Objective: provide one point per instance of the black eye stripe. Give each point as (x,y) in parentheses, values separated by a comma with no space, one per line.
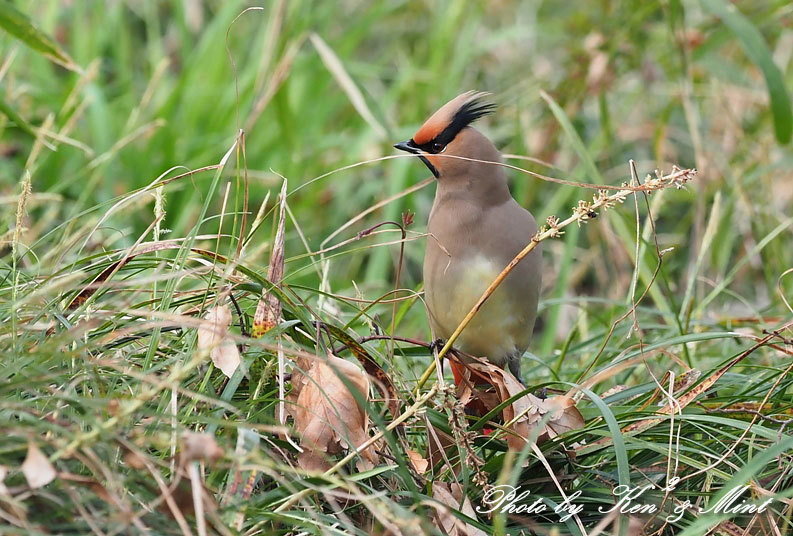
(430,146)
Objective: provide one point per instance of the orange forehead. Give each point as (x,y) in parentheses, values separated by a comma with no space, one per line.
(441,119)
(431,128)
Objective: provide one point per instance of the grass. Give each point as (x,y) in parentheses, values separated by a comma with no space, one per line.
(106,389)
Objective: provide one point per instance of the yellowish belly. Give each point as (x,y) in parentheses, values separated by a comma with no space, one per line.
(496,331)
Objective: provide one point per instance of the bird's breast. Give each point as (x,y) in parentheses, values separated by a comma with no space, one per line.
(468,246)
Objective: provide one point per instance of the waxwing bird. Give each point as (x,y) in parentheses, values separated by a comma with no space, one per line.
(475,229)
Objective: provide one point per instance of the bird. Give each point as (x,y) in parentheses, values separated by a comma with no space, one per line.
(475,229)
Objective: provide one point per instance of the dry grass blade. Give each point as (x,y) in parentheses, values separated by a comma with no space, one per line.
(441,447)
(336,68)
(279,75)
(24,195)
(138,249)
(268,310)
(3,473)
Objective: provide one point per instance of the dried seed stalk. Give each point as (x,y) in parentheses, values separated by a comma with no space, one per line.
(582,213)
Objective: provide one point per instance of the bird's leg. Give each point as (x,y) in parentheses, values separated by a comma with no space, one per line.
(514,367)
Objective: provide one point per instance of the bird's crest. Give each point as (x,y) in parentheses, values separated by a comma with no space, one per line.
(452,117)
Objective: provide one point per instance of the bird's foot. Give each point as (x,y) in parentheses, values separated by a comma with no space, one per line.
(542,394)
(436,345)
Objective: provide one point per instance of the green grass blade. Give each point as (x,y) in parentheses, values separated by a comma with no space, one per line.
(12,114)
(620,452)
(707,241)
(725,282)
(741,477)
(19,25)
(755,47)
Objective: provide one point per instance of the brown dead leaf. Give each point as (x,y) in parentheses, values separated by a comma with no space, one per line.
(37,468)
(564,415)
(381,380)
(268,310)
(525,411)
(200,446)
(133,460)
(475,400)
(419,462)
(635,527)
(521,413)
(451,496)
(213,337)
(88,482)
(182,495)
(597,74)
(326,416)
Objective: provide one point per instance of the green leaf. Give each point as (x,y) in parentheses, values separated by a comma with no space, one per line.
(620,452)
(20,26)
(575,140)
(15,117)
(755,47)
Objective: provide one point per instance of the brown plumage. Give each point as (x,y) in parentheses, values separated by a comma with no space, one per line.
(476,228)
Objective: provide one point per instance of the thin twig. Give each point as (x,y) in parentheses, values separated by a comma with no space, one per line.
(368,338)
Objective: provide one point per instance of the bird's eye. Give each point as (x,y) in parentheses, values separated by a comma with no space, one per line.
(437,147)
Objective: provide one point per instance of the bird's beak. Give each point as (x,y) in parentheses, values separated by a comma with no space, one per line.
(407,146)
(410,147)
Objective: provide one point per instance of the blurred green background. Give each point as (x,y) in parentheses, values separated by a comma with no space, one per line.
(158,88)
(320,85)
